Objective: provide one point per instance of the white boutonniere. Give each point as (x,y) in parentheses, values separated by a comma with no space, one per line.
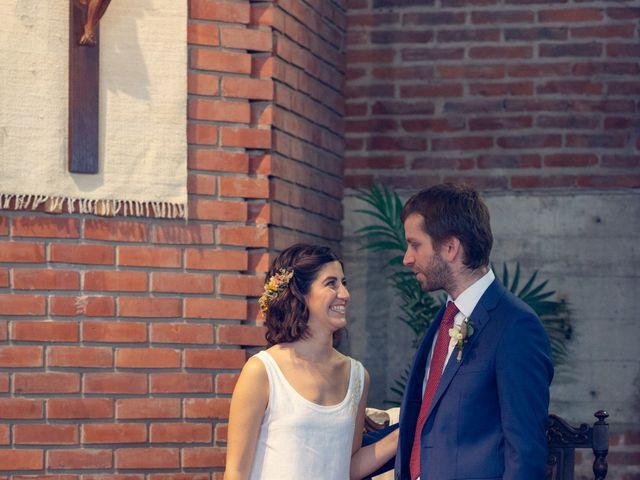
(460,335)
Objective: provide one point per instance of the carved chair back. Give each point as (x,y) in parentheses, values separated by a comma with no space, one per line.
(563,439)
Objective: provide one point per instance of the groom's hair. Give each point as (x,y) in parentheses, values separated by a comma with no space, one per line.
(454,210)
(287,317)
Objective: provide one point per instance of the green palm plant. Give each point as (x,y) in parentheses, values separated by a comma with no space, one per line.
(419,308)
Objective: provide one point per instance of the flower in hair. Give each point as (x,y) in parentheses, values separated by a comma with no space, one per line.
(274,287)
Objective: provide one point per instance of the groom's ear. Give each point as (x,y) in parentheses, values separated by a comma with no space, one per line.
(451,248)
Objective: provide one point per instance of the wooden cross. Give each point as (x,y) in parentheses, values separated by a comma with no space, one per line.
(84,83)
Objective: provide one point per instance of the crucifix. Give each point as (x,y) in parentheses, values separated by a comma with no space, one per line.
(84,85)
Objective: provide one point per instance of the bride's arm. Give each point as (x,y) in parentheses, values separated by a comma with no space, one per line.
(248,404)
(365,460)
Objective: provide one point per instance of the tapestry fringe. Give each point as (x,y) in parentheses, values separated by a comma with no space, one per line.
(106,208)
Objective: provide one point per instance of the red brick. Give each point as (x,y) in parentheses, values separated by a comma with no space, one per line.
(196,333)
(485,53)
(259,262)
(44,331)
(115,281)
(241,335)
(182,476)
(214,358)
(203,84)
(461,143)
(530,181)
(215,259)
(180,433)
(84,458)
(219,110)
(114,433)
(509,161)
(530,141)
(4,434)
(143,408)
(67,408)
(245,137)
(20,356)
(502,17)
(609,181)
(241,285)
(216,160)
(222,211)
(147,358)
(51,382)
(221,432)
(203,34)
(45,434)
(244,187)
(202,184)
(262,66)
(181,282)
(21,408)
(623,50)
(202,134)
(45,279)
(183,234)
(82,306)
(134,256)
(223,11)
(570,160)
(85,357)
(215,308)
(146,307)
(571,15)
(570,50)
(246,236)
(4,382)
(114,332)
(203,457)
(22,252)
(226,382)
(146,458)
(82,254)
(21,460)
(115,230)
(206,407)
(4,226)
(46,227)
(255,89)
(219,61)
(180,383)
(596,141)
(246,39)
(4,277)
(115,383)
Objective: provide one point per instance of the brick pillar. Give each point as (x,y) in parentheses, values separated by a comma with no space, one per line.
(121,338)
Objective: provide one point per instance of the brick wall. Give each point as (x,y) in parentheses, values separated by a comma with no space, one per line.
(121,338)
(516,97)
(506,94)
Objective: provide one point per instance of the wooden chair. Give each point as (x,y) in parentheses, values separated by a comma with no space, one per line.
(563,439)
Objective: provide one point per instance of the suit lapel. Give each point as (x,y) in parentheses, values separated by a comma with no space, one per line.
(479,318)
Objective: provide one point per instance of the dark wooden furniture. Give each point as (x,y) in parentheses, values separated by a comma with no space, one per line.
(563,439)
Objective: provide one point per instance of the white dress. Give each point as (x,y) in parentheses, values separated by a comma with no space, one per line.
(301,440)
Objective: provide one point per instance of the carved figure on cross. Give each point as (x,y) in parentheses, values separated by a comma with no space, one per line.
(94,10)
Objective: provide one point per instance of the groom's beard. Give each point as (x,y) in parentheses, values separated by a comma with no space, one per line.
(436,275)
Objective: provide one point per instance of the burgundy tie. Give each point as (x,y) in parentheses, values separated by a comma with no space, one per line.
(440,351)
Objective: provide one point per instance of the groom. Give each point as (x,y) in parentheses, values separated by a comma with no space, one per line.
(477,397)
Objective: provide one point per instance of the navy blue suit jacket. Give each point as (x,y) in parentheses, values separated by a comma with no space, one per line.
(487,420)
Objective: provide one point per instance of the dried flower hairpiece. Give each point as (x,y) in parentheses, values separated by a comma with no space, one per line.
(274,287)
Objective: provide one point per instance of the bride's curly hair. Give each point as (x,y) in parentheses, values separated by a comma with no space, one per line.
(287,315)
